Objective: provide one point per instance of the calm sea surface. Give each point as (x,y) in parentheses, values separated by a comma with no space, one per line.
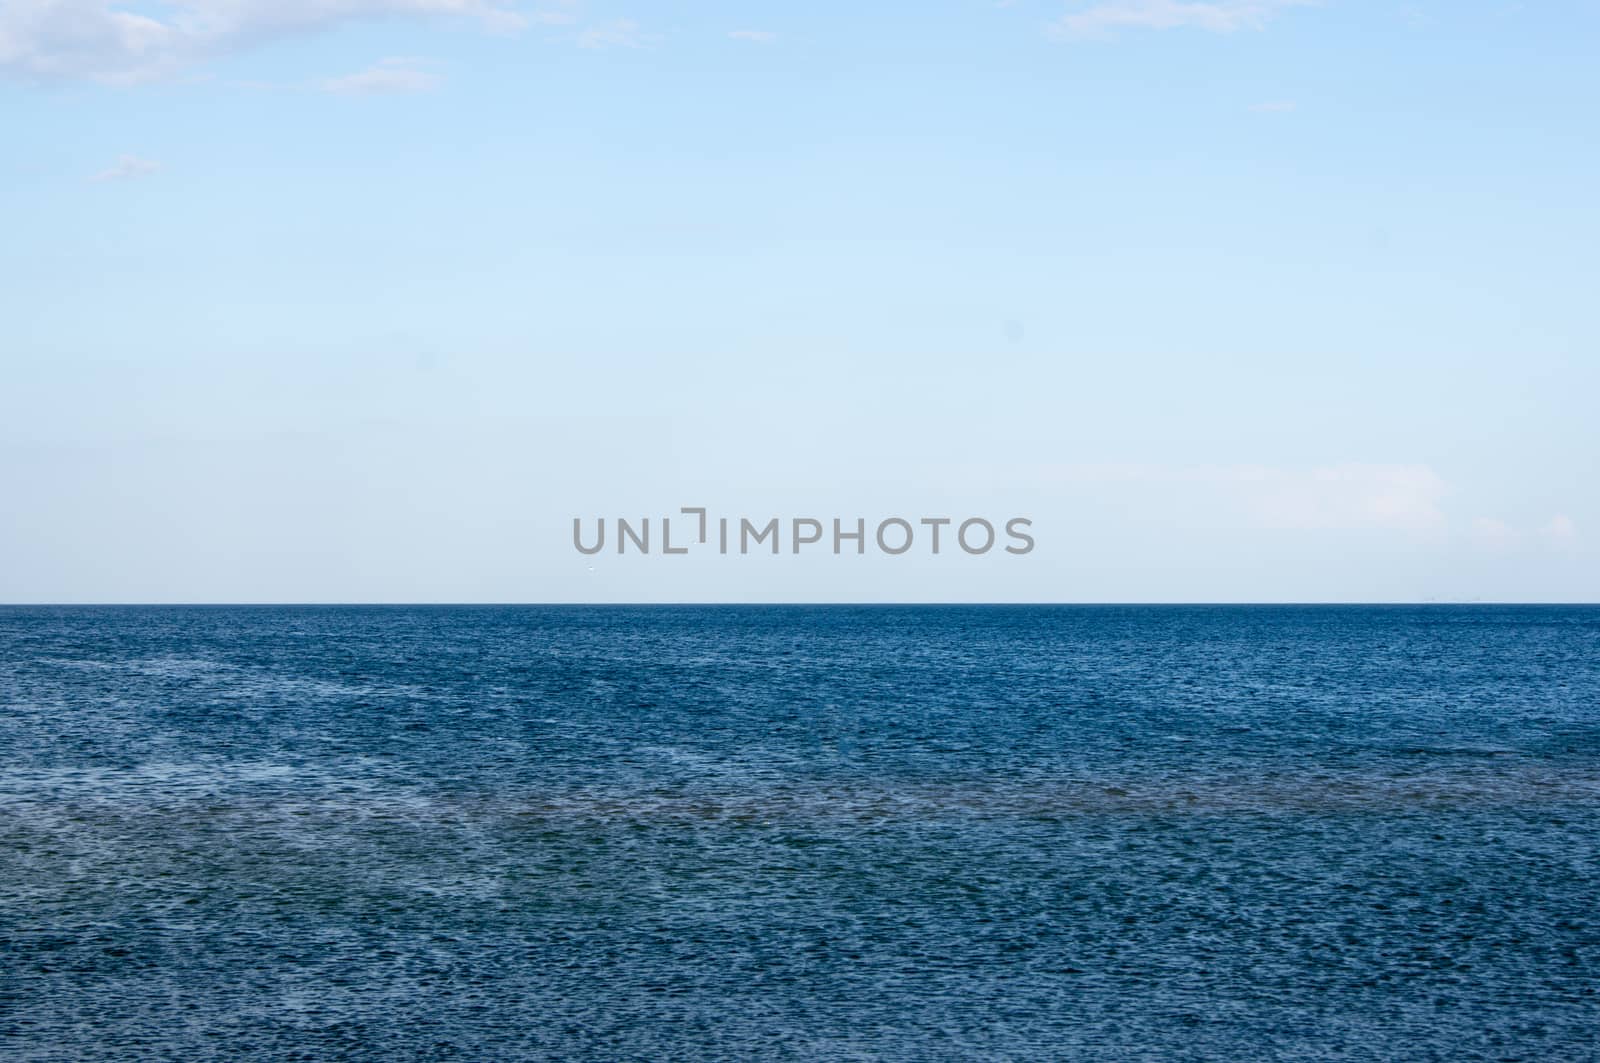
(800,833)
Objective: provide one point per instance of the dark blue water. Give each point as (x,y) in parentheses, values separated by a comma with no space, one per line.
(800,833)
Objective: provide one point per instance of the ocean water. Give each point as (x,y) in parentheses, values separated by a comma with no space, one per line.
(827,833)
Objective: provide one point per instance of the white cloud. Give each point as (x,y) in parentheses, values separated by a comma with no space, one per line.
(386,77)
(1349,496)
(618,33)
(754,36)
(127,168)
(107,41)
(555,13)
(1560,529)
(1492,532)
(1217,16)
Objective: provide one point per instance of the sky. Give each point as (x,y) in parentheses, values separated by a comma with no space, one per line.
(367,300)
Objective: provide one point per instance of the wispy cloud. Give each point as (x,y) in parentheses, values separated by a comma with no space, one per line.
(1349,496)
(388,76)
(127,168)
(618,33)
(1399,497)
(102,40)
(1492,533)
(1561,529)
(754,36)
(1217,16)
(555,13)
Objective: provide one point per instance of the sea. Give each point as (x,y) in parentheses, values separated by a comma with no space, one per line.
(800,833)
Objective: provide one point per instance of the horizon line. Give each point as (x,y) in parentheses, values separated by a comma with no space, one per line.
(1397,603)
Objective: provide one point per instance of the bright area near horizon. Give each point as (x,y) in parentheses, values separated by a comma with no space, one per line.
(365,301)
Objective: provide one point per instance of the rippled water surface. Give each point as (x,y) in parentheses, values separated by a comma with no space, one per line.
(800,833)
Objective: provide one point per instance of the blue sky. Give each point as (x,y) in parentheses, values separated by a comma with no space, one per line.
(350,300)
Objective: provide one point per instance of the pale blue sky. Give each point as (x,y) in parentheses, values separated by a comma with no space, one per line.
(349,300)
